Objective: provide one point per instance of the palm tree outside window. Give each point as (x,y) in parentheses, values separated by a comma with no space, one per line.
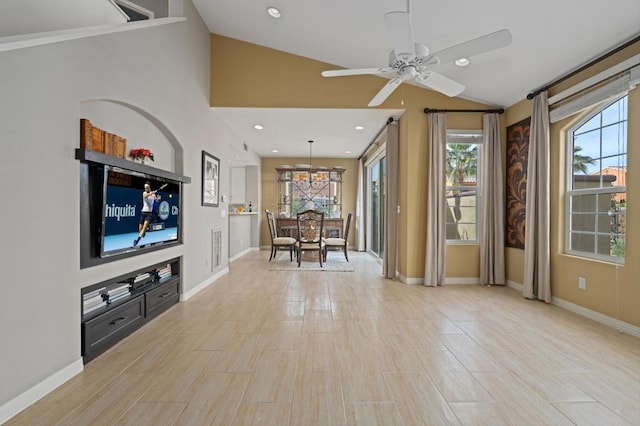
(462,157)
(596,184)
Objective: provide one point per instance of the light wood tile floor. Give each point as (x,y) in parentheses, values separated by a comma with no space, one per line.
(262,347)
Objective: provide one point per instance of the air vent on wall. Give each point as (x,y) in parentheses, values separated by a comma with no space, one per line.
(216,248)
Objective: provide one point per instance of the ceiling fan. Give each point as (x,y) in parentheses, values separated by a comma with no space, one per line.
(411,61)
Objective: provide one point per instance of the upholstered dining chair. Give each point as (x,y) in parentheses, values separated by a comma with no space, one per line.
(339,243)
(278,243)
(310,227)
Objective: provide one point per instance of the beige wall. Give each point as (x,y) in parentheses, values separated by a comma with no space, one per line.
(613,290)
(270,188)
(284,80)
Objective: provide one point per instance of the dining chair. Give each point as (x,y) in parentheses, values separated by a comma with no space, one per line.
(339,243)
(310,227)
(278,243)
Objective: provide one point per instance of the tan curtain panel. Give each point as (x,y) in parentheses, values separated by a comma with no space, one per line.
(360,208)
(537,275)
(435,260)
(391,228)
(492,267)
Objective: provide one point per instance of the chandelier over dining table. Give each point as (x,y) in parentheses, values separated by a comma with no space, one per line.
(308,186)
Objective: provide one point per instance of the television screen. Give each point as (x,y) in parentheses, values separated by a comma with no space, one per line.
(139,211)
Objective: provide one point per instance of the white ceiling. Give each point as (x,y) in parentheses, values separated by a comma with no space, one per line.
(289,130)
(550,39)
(19,17)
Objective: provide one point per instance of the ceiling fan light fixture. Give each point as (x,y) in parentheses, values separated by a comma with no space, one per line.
(274,12)
(412,61)
(407,73)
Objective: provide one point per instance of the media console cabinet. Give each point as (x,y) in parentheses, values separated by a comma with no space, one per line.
(140,296)
(112,309)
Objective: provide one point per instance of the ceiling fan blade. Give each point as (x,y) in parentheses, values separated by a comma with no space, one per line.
(385,91)
(473,47)
(358,71)
(401,33)
(440,83)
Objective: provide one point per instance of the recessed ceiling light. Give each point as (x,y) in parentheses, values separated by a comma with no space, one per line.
(273,12)
(462,62)
(274,150)
(347,152)
(258,126)
(359,127)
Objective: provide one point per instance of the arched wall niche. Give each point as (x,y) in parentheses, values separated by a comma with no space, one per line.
(141,129)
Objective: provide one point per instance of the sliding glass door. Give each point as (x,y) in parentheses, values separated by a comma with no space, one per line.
(376,197)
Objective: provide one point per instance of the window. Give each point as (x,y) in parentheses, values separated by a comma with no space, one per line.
(376,203)
(462,158)
(596,183)
(300,189)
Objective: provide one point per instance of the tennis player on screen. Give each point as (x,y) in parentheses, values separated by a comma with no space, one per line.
(148,199)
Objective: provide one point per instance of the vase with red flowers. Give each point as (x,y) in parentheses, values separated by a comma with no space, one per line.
(141,155)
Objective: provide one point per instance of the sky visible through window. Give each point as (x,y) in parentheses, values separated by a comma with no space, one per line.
(610,127)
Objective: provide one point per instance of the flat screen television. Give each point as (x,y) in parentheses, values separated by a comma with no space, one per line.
(122,217)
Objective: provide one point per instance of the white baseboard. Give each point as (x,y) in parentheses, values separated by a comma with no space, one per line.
(614,323)
(448,280)
(33,394)
(461,280)
(621,326)
(242,253)
(410,280)
(204,284)
(516,286)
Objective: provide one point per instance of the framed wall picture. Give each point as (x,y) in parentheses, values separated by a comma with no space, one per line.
(210,180)
(516,194)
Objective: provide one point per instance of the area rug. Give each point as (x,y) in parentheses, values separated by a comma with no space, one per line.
(333,264)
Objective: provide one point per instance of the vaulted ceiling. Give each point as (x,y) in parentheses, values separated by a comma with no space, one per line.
(550,39)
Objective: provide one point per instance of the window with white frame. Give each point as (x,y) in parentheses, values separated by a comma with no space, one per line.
(596,184)
(462,158)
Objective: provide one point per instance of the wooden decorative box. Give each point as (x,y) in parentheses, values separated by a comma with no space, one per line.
(96,139)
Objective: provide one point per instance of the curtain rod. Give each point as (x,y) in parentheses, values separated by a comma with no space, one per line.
(430,110)
(389,121)
(582,68)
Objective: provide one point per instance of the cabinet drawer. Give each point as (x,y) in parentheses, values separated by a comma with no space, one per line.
(161,297)
(106,329)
